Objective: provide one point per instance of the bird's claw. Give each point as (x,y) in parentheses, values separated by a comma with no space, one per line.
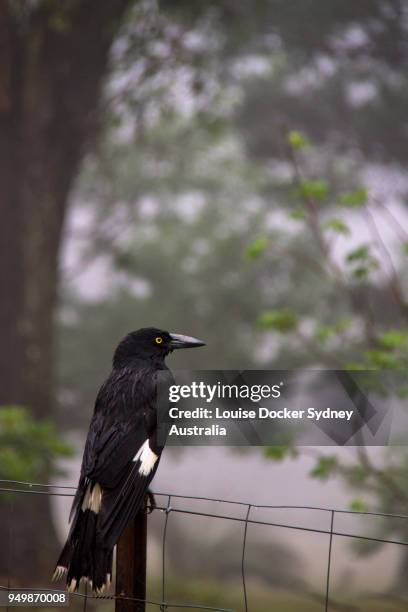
(151,505)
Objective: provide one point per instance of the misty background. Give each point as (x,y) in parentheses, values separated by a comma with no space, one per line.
(230,170)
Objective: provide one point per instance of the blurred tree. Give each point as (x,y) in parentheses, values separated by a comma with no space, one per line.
(174,243)
(54,57)
(335,71)
(364,326)
(27,445)
(340,78)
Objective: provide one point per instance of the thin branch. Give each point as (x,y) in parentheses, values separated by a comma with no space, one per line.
(381,476)
(327,358)
(398,228)
(313,221)
(394,281)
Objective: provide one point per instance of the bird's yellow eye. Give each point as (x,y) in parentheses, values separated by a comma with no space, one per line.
(159,340)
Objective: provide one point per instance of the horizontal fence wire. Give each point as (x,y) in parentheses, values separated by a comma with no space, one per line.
(22,487)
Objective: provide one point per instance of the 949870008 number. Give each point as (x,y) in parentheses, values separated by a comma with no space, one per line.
(21,597)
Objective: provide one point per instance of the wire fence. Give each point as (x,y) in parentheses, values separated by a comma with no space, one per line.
(249,518)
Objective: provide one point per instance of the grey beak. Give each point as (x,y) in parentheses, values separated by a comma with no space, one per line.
(179,341)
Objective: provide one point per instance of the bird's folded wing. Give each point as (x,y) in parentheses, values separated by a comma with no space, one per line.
(106,458)
(116,449)
(121,504)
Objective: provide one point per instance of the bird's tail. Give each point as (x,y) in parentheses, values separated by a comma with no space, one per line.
(84,558)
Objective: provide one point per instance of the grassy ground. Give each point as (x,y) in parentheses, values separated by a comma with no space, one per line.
(261,599)
(229,596)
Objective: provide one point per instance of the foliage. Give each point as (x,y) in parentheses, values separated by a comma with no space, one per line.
(313,189)
(325,467)
(354,199)
(297,140)
(282,321)
(378,344)
(279,453)
(263,597)
(27,446)
(256,248)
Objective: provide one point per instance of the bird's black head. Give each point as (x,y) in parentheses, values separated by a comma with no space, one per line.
(152,344)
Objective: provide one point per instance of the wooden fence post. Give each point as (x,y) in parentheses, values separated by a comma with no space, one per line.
(131,554)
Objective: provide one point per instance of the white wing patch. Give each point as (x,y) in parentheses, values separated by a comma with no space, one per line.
(147,459)
(92,499)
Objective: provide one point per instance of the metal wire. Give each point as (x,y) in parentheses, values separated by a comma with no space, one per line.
(329,563)
(283,526)
(12,486)
(10,542)
(199,498)
(166,520)
(243,559)
(85,598)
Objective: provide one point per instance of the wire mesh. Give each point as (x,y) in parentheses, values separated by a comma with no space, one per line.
(248,519)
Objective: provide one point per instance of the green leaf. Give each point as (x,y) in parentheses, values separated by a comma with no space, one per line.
(358,505)
(354,199)
(282,321)
(361,272)
(325,467)
(405,248)
(361,253)
(383,359)
(280,452)
(393,339)
(366,262)
(323,333)
(314,190)
(256,248)
(357,474)
(297,140)
(342,324)
(299,214)
(277,453)
(338,226)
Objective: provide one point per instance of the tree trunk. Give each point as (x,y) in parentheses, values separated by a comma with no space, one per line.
(53,58)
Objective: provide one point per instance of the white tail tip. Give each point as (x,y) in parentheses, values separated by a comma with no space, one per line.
(60,570)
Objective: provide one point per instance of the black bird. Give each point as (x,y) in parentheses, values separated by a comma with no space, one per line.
(121,456)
